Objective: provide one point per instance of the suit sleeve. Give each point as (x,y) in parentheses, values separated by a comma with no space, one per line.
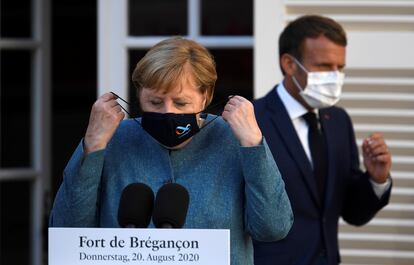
(76,202)
(361,203)
(268,214)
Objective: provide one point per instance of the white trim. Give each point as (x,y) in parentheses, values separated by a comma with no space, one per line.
(404,144)
(356,4)
(360,264)
(381,112)
(112,52)
(194,21)
(386,222)
(403,159)
(209,41)
(18,44)
(41,121)
(226,42)
(142,42)
(377,96)
(269,21)
(403,175)
(400,160)
(18,174)
(402,191)
(396,254)
(400,143)
(377,237)
(366,18)
(403,207)
(400,81)
(399,128)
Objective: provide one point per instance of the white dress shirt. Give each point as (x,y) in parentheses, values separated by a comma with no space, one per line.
(296,111)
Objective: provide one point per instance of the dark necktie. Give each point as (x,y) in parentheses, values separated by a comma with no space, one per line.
(317,146)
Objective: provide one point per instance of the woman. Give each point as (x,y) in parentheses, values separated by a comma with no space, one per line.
(223,162)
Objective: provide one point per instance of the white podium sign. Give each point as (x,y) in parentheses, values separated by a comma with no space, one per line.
(110,246)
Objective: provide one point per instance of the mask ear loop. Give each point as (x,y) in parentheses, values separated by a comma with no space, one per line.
(303,69)
(212,106)
(118,97)
(207,123)
(299,63)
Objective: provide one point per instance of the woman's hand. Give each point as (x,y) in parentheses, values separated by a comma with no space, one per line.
(105,117)
(239,113)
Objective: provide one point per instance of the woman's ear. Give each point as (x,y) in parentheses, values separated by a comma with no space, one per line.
(288,64)
(205,100)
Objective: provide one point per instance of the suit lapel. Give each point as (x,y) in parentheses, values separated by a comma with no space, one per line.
(284,127)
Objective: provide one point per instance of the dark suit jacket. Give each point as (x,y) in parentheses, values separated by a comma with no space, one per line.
(348,191)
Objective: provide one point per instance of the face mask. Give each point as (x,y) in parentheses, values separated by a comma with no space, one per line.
(323,89)
(170,129)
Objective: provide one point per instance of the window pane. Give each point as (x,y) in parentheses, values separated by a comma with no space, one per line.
(15,222)
(234,70)
(134,57)
(235,75)
(15,18)
(230,17)
(15,109)
(74,77)
(155,18)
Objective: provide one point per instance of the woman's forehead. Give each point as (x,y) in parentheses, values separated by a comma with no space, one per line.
(182,86)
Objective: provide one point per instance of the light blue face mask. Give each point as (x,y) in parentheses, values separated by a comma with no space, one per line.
(323,89)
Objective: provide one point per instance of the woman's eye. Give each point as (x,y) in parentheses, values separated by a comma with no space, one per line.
(155,103)
(180,104)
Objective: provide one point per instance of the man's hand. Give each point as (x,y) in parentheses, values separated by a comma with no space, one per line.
(377,158)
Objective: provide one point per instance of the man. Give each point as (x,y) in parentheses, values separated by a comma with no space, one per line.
(314,146)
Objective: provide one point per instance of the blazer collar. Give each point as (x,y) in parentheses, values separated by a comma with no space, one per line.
(283,124)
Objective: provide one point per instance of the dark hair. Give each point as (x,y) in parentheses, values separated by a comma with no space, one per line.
(309,26)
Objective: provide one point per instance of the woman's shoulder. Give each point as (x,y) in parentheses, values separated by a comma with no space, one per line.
(130,125)
(128,130)
(219,128)
(217,123)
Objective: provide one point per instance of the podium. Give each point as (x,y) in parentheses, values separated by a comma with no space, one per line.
(113,246)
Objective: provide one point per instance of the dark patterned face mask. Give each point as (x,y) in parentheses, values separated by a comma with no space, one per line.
(172,129)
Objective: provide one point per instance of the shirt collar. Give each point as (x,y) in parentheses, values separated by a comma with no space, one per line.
(293,107)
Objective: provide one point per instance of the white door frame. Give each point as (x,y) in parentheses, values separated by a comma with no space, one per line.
(39,172)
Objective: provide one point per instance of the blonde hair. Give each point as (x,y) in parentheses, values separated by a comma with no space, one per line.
(163,65)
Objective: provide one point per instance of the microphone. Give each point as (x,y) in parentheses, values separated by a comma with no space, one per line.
(171,205)
(135,206)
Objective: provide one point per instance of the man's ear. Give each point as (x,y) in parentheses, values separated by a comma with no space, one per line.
(288,64)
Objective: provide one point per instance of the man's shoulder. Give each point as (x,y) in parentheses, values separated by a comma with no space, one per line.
(336,111)
(260,104)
